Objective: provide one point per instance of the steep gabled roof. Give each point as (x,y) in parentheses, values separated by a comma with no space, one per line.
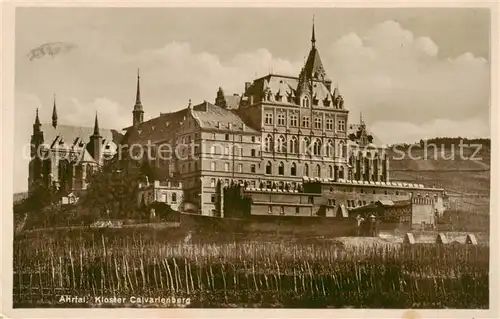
(314,67)
(156,129)
(211,116)
(70,134)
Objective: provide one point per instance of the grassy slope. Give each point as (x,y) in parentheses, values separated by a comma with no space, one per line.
(467,181)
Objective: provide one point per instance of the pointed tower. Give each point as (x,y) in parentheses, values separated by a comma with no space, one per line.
(35,165)
(313,37)
(94,147)
(37,137)
(313,66)
(138,112)
(54,113)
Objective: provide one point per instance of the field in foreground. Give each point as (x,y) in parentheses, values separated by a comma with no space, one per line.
(246,274)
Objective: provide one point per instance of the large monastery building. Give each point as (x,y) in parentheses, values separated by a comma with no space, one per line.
(277,134)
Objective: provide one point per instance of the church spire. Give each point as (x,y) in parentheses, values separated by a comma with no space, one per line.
(138,93)
(314,67)
(138,112)
(96,126)
(37,119)
(54,113)
(313,37)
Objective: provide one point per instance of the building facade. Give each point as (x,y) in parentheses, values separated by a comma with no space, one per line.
(284,139)
(280,129)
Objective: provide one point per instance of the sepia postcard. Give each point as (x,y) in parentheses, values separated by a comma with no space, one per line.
(300,159)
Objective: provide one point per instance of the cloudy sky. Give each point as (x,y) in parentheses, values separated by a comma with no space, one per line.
(414,73)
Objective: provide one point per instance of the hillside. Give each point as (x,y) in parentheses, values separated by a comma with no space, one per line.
(466,179)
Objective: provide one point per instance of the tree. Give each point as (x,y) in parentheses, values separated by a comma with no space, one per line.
(113,189)
(40,197)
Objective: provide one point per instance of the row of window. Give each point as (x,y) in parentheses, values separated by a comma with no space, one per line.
(352,203)
(305,102)
(227,137)
(362,191)
(333,171)
(316,147)
(239,167)
(217,150)
(294,122)
(281,209)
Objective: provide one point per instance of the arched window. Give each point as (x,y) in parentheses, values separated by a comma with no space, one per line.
(341,149)
(317,147)
(305,101)
(268,143)
(293,169)
(306,145)
(306,170)
(330,171)
(294,145)
(329,148)
(318,170)
(269,168)
(281,169)
(174,197)
(281,144)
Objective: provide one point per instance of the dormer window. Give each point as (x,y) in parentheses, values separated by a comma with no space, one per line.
(278,97)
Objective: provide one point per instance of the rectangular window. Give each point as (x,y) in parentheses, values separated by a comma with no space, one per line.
(226,167)
(305,121)
(226,150)
(240,168)
(281,119)
(212,198)
(329,124)
(253,139)
(213,166)
(310,200)
(293,121)
(297,210)
(270,209)
(212,182)
(317,123)
(269,119)
(341,125)
(282,210)
(252,168)
(252,152)
(174,197)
